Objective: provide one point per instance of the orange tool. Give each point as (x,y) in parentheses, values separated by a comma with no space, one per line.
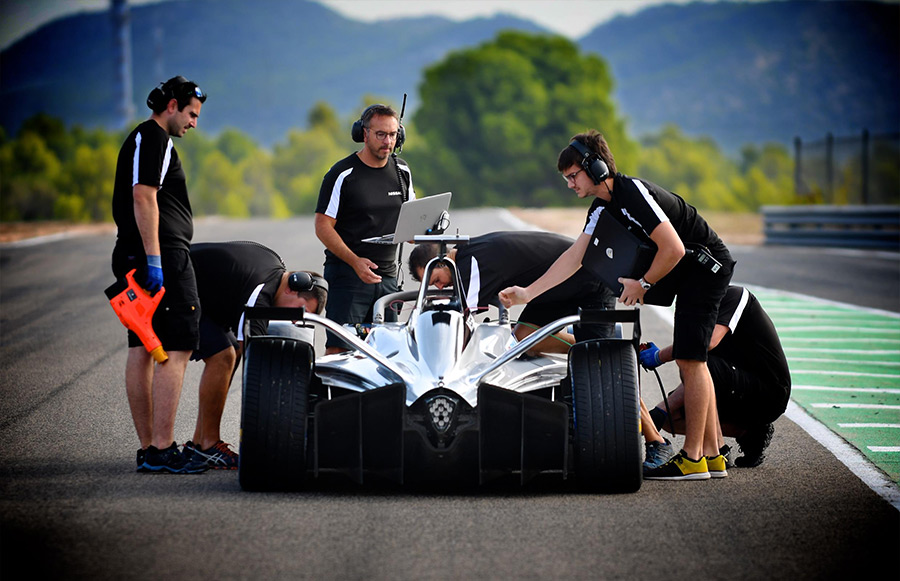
(135,307)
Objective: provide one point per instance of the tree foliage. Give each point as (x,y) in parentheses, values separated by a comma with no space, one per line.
(490,126)
(493,119)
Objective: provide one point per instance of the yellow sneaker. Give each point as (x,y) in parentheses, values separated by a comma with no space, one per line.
(716,466)
(680,467)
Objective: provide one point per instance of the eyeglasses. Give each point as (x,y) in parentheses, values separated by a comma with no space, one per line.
(382,135)
(571,177)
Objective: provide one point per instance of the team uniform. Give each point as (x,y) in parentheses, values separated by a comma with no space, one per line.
(148,157)
(641,206)
(748,366)
(231,275)
(489,263)
(365,202)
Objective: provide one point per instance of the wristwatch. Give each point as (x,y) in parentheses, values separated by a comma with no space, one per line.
(644,284)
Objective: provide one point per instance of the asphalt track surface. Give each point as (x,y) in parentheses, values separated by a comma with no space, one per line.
(71,505)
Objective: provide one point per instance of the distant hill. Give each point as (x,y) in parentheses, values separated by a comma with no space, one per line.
(755,72)
(263,63)
(737,72)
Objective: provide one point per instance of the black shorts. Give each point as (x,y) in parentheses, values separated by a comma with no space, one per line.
(350,300)
(698,296)
(214,338)
(744,399)
(177,318)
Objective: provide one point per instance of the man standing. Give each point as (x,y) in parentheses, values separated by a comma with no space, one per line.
(494,261)
(155,225)
(230,276)
(664,219)
(360,198)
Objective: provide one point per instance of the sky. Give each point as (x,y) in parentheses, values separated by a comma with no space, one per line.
(571,18)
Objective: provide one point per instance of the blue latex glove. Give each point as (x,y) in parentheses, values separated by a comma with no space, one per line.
(650,356)
(154,280)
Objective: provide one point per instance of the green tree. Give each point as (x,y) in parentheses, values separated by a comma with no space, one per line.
(31,172)
(87,185)
(494,118)
(695,169)
(299,164)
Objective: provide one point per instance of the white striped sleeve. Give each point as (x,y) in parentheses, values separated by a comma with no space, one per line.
(135,161)
(739,311)
(651,201)
(334,202)
(592,220)
(473,289)
(166,160)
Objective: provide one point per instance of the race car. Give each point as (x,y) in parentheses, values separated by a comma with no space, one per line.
(439,398)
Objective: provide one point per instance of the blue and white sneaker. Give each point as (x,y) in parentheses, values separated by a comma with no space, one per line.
(657,453)
(218,456)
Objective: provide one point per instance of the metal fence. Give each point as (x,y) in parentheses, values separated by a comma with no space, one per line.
(856,170)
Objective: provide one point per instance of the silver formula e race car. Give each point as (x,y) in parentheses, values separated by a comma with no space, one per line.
(439,398)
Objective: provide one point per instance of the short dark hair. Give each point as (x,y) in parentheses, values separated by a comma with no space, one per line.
(594,141)
(420,256)
(373,110)
(178,88)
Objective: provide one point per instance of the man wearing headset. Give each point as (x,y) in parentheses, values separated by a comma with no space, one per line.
(360,198)
(231,275)
(155,226)
(493,261)
(665,220)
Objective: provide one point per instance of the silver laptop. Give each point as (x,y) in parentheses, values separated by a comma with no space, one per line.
(416,218)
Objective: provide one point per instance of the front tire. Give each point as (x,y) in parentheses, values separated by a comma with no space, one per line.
(274,431)
(606,416)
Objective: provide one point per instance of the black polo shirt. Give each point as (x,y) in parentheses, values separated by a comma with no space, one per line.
(366,202)
(228,274)
(148,157)
(752,343)
(491,262)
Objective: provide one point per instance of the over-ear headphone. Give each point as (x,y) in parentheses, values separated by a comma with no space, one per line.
(175,88)
(304,282)
(591,162)
(357,131)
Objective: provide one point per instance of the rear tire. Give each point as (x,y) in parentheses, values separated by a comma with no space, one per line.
(273,450)
(606,416)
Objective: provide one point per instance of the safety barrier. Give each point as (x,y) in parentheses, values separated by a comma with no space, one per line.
(875,227)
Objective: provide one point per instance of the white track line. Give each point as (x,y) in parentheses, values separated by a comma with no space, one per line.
(849,456)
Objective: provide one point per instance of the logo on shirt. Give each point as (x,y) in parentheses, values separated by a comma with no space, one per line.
(395,193)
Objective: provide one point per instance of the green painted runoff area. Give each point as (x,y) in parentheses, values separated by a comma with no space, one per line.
(845,370)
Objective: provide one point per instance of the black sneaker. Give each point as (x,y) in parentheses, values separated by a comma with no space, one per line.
(171,460)
(141,453)
(217,457)
(188,450)
(726,451)
(753,445)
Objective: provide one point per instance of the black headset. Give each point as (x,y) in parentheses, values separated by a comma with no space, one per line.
(357,131)
(175,88)
(591,162)
(304,282)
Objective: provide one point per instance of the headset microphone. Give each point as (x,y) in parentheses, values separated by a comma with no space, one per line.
(401,132)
